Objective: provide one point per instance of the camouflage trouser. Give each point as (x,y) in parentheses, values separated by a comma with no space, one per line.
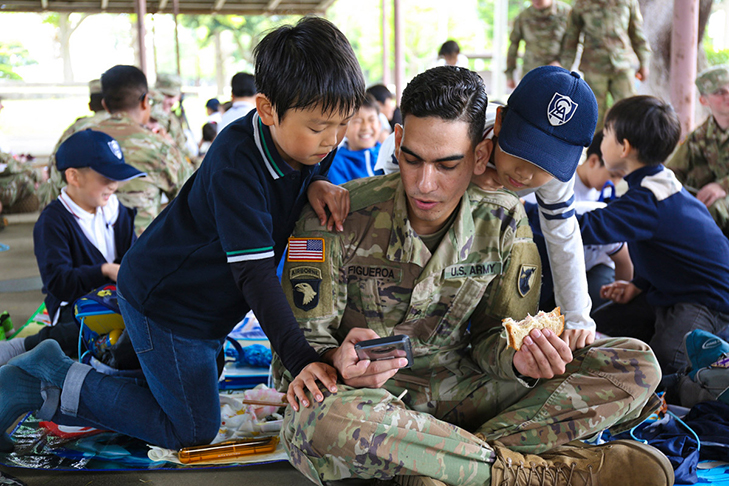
(720,212)
(369,433)
(15,187)
(619,85)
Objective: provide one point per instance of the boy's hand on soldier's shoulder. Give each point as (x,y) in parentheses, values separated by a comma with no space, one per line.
(620,291)
(578,338)
(110,270)
(324,194)
(488,181)
(306,380)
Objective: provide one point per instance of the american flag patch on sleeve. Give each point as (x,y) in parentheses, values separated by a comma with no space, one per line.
(305,250)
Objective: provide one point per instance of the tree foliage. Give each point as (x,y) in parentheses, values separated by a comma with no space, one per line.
(13,55)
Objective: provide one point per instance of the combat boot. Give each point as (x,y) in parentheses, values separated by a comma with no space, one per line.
(617,463)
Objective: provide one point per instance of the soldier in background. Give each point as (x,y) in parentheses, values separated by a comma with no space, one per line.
(170,88)
(611,29)
(18,183)
(52,188)
(701,162)
(541,26)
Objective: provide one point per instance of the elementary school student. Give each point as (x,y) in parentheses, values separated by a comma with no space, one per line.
(357,155)
(681,257)
(558,111)
(211,256)
(604,264)
(80,238)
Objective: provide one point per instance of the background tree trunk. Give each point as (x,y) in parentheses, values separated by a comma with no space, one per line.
(657,23)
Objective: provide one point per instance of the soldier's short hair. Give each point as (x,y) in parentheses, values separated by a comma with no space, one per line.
(123,87)
(243,85)
(449,93)
(650,125)
(309,64)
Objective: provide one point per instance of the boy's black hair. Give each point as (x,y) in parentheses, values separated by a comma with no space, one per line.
(449,93)
(307,64)
(594,148)
(123,88)
(449,48)
(243,85)
(648,123)
(369,101)
(380,92)
(209,131)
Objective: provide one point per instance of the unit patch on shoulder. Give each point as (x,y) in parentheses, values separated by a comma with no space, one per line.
(305,283)
(305,250)
(527,273)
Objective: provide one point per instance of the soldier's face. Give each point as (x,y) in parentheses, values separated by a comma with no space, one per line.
(717,102)
(437,160)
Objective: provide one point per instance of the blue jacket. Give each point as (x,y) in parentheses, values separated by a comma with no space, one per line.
(353,164)
(69,264)
(679,253)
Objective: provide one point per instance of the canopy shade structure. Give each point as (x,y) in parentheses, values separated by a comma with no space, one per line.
(199,7)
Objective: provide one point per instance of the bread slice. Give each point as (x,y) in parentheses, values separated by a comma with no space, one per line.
(517,331)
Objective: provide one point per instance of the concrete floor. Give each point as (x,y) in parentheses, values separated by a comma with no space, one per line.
(20,294)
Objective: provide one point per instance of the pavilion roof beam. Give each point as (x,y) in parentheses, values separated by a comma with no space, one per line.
(218,5)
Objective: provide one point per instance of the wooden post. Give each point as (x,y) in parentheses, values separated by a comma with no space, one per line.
(141,8)
(385,46)
(684,39)
(176,12)
(399,51)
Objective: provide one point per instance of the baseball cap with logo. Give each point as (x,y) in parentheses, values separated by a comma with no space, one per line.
(711,80)
(98,151)
(551,116)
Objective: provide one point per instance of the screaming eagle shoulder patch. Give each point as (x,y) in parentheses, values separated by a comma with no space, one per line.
(527,273)
(305,283)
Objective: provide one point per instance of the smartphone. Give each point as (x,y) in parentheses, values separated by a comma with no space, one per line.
(385,348)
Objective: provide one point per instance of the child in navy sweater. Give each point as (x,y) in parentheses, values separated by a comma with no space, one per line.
(81,237)
(681,257)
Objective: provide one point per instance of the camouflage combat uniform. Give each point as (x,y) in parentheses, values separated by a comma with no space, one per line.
(542,31)
(52,188)
(611,29)
(17,181)
(704,158)
(379,274)
(166,169)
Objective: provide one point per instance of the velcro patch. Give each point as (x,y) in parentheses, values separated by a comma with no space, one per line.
(305,282)
(464,270)
(388,274)
(527,273)
(305,250)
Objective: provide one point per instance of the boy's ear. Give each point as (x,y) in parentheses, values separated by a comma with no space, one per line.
(627,149)
(594,160)
(73,177)
(483,154)
(498,120)
(265,109)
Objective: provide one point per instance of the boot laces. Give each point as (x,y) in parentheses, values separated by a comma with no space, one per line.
(545,475)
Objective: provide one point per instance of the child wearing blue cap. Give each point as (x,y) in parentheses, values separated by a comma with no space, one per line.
(81,237)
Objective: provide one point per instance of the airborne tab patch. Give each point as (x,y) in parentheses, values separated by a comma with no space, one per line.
(305,283)
(527,273)
(305,250)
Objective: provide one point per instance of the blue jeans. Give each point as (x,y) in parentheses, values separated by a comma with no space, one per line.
(179,408)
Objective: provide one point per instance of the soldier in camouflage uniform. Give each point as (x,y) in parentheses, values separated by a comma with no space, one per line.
(52,188)
(541,26)
(424,254)
(170,87)
(701,162)
(611,29)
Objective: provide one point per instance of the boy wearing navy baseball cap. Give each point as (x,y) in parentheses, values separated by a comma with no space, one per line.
(81,237)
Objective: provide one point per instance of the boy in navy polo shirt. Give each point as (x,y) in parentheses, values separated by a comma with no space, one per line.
(211,255)
(81,237)
(680,255)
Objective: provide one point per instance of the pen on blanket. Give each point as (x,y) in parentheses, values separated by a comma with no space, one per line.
(227,450)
